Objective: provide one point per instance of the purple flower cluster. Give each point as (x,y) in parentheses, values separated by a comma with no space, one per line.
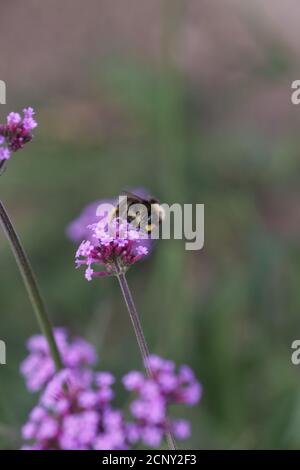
(16,132)
(156,394)
(114,241)
(75,413)
(38,368)
(75,410)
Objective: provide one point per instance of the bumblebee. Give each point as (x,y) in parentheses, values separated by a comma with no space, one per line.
(145,213)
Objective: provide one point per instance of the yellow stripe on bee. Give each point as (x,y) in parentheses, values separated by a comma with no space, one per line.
(149,227)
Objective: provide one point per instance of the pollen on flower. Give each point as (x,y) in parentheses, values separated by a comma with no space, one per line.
(16,132)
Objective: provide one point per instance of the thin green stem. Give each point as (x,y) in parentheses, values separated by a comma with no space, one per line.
(134,317)
(30,284)
(138,329)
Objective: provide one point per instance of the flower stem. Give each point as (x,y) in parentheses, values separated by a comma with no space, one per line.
(31,285)
(138,329)
(2,166)
(134,317)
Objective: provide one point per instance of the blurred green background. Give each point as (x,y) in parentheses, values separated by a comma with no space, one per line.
(190,99)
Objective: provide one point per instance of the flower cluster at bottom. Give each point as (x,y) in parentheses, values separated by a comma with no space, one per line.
(75,410)
(154,395)
(75,413)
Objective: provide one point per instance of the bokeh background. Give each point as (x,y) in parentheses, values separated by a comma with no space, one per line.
(190,99)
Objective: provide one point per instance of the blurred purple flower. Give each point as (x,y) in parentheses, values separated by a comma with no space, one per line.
(78,230)
(16,132)
(75,410)
(38,368)
(73,415)
(155,395)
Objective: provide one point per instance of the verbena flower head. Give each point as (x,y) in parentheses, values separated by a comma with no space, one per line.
(38,368)
(16,132)
(75,413)
(114,241)
(155,395)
